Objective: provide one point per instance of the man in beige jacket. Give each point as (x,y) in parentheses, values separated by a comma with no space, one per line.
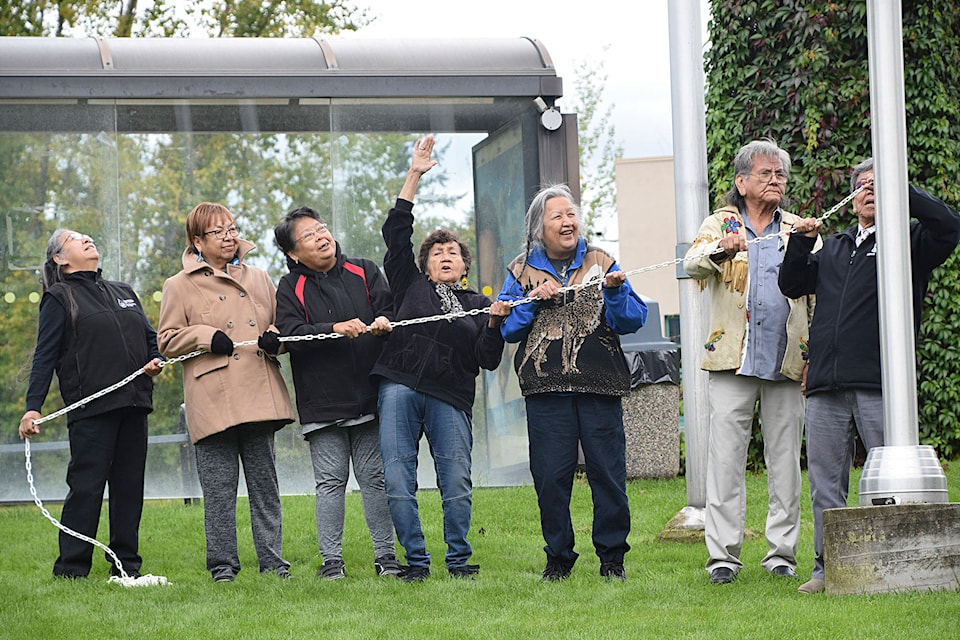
(755,353)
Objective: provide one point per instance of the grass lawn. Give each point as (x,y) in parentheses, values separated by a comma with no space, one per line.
(667,594)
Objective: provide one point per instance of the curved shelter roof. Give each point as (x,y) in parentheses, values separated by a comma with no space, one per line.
(272,67)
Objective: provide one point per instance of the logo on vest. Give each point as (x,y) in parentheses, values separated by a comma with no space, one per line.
(126,304)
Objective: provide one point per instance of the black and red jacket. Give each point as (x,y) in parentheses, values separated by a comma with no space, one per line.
(332,377)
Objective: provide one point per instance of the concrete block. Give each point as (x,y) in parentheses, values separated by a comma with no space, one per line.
(905,547)
(651,421)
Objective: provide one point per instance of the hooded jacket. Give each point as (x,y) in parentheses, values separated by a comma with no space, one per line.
(223,391)
(332,376)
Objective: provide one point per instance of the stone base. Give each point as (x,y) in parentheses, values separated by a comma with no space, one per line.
(686,526)
(651,421)
(906,547)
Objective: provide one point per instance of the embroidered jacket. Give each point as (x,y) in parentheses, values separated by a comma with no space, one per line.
(723,349)
(570,344)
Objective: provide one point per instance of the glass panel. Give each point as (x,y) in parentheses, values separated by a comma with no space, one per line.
(128,172)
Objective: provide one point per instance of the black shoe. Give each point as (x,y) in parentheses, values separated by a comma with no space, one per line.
(784,571)
(332,569)
(722,575)
(386,566)
(281,571)
(554,572)
(224,575)
(413,574)
(613,571)
(467,571)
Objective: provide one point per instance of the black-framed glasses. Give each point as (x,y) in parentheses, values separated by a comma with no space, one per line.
(768,176)
(310,234)
(220,234)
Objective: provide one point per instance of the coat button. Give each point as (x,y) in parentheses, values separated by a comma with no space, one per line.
(253,323)
(223,297)
(229,325)
(243,294)
(236,356)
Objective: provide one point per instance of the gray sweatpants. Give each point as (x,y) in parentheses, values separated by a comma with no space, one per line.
(331,449)
(218,465)
(832,417)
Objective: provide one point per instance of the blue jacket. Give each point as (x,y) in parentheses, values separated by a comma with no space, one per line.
(570,345)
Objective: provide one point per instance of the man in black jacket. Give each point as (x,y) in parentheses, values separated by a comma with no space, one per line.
(843,384)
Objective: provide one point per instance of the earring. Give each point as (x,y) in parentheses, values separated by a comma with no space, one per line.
(199,257)
(463,281)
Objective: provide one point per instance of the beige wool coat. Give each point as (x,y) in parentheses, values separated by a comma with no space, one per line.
(221,391)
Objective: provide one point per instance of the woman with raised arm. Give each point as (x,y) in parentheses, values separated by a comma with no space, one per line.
(428,376)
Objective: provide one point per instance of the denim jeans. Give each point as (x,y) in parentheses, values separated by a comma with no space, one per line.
(555,425)
(406,415)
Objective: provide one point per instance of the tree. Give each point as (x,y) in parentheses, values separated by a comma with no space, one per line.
(798,73)
(599,148)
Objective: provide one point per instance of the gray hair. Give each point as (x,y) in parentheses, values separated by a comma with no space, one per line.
(863,167)
(51,273)
(743,165)
(533,221)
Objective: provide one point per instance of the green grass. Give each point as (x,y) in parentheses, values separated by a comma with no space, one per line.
(667,594)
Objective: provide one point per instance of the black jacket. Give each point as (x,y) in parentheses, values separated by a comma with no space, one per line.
(332,377)
(109,339)
(845,331)
(441,359)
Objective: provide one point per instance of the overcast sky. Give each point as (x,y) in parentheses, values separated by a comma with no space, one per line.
(629,39)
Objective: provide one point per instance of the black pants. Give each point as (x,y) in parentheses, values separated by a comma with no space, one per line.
(108,448)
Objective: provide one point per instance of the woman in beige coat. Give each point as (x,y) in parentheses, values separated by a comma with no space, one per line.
(235,397)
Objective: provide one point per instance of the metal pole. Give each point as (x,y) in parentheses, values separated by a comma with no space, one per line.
(690,188)
(901,470)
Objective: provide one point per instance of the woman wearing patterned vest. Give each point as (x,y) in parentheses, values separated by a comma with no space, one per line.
(573,374)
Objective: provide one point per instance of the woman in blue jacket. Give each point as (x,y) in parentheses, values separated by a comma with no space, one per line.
(572,375)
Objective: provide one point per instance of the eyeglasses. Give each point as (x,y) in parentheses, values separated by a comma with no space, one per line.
(220,234)
(863,183)
(768,176)
(73,236)
(311,234)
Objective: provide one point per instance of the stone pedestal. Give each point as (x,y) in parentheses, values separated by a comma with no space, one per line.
(651,421)
(905,547)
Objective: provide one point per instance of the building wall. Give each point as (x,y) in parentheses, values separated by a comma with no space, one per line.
(646,209)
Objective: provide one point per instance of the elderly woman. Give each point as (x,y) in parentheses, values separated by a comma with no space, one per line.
(573,374)
(428,377)
(327,292)
(235,399)
(93,333)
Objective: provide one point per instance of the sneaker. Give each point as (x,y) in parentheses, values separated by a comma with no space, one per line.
(413,574)
(332,569)
(386,566)
(281,571)
(613,571)
(467,571)
(224,574)
(555,572)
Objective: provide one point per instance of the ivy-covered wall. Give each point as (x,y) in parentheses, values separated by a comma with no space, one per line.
(798,72)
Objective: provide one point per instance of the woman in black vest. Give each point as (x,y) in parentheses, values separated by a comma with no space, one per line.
(93,333)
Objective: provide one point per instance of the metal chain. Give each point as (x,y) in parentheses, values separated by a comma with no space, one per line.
(435,318)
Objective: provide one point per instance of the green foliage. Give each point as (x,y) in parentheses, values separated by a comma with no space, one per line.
(798,73)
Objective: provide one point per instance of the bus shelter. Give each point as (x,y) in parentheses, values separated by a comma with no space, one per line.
(120,138)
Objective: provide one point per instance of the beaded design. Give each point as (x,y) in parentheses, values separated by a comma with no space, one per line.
(730,225)
(715,337)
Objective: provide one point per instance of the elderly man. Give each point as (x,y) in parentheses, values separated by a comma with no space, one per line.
(754,353)
(843,385)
